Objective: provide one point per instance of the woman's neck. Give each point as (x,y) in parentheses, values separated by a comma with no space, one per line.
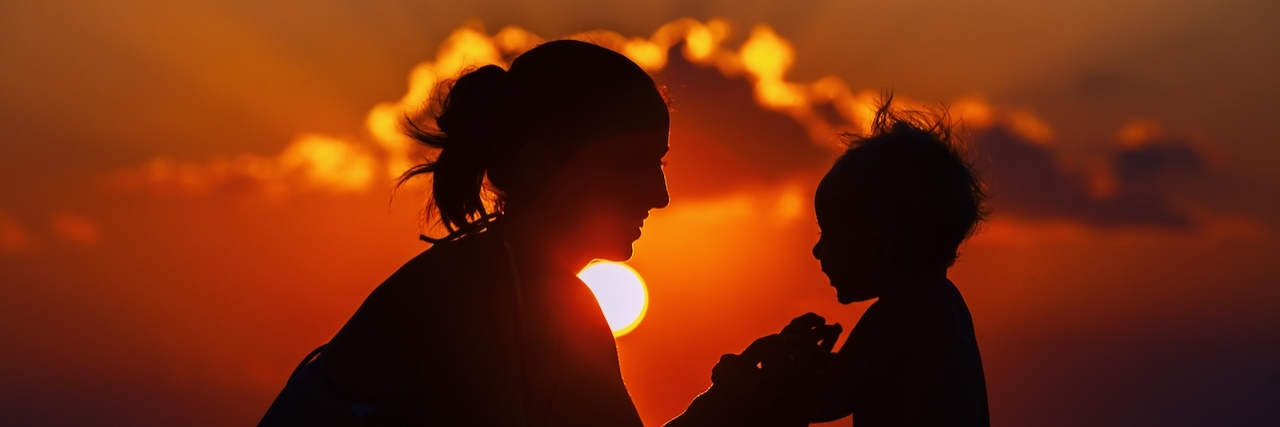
(536,247)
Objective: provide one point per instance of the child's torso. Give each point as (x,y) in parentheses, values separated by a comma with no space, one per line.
(913,360)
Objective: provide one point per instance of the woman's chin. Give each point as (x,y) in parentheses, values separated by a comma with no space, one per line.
(617,252)
(619,245)
(620,253)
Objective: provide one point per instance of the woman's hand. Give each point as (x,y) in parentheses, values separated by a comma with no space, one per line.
(744,370)
(742,390)
(803,345)
(756,387)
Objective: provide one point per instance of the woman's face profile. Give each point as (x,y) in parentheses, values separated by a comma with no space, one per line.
(599,198)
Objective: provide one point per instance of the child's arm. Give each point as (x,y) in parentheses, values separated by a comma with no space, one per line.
(738,391)
(834,391)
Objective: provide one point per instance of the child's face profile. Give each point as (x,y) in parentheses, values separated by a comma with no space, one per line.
(845,246)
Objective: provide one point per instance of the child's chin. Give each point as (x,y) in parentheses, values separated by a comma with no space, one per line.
(850,296)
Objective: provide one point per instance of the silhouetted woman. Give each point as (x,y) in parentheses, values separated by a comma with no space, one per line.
(541,168)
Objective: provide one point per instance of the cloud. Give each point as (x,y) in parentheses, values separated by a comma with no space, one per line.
(1134,186)
(318,162)
(738,122)
(13,236)
(322,163)
(65,226)
(309,163)
(717,126)
(75,228)
(722,140)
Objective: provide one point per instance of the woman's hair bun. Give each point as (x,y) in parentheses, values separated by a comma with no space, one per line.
(560,95)
(468,95)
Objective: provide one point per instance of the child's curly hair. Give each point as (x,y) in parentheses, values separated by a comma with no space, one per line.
(913,183)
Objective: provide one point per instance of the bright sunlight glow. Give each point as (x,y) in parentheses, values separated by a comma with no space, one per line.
(621,294)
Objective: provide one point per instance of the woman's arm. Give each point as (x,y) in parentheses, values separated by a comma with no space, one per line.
(466,340)
(766,384)
(587,388)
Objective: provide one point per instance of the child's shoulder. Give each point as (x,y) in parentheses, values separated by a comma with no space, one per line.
(925,308)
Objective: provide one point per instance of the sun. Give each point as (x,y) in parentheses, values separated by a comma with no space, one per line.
(620,291)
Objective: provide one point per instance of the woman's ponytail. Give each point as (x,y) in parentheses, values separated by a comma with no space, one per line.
(559,95)
(463,121)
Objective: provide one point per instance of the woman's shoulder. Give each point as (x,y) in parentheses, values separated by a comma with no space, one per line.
(471,264)
(444,298)
(443,284)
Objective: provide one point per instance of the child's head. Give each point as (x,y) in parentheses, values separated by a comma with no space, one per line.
(897,204)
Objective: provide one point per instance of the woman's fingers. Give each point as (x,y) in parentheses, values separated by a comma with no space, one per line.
(764,347)
(729,368)
(827,335)
(734,367)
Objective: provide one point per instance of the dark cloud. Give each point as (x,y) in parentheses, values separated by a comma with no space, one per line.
(1155,160)
(718,126)
(722,139)
(1028,181)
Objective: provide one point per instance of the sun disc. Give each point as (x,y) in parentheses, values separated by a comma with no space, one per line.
(620,292)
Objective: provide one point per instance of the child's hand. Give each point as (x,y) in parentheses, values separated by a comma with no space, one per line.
(811,340)
(754,387)
(812,328)
(777,361)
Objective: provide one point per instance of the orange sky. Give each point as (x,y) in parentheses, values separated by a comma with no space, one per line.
(196,194)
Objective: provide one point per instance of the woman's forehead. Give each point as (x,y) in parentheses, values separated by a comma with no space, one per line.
(640,145)
(646,140)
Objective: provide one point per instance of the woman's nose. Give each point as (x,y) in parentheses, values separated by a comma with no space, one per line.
(662,197)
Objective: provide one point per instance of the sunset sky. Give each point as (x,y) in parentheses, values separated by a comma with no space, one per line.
(194,194)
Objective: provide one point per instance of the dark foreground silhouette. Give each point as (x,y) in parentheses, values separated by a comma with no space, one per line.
(542,168)
(893,212)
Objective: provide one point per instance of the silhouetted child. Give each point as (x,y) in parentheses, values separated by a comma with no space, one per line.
(893,211)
